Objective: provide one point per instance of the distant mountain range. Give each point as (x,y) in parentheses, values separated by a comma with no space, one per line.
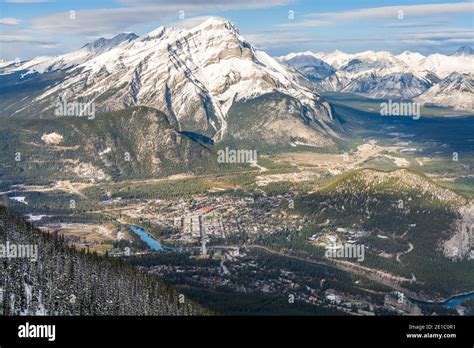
(44,64)
(438,80)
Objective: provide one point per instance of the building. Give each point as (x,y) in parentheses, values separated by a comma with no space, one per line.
(202,234)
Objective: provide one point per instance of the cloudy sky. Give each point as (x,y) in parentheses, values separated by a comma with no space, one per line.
(40,27)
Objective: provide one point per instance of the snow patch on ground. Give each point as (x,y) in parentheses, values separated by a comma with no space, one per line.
(32,217)
(89,172)
(399,161)
(52,138)
(21,199)
(106,151)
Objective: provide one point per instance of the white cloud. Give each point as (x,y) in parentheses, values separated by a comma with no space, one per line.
(408,36)
(405,24)
(385,12)
(285,39)
(278,39)
(24,38)
(47,45)
(98,21)
(437,36)
(10,21)
(217,5)
(15,38)
(26,1)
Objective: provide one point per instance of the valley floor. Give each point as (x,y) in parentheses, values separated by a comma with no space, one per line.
(259,235)
(251,211)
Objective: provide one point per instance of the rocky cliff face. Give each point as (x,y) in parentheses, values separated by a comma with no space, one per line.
(456,91)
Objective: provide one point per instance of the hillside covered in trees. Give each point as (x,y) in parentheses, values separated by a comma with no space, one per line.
(62,281)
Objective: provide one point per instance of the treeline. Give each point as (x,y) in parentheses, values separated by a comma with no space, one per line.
(64,281)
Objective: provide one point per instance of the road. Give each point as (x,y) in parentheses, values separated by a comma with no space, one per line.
(374,275)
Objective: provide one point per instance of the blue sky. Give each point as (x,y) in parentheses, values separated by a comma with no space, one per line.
(40,27)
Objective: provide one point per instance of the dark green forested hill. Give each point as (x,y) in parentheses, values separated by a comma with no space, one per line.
(63,281)
(134,143)
(402,214)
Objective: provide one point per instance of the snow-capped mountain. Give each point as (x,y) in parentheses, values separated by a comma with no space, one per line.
(372,74)
(411,58)
(464,51)
(385,62)
(455,91)
(383,74)
(194,76)
(48,64)
(443,66)
(399,85)
(310,66)
(4,63)
(335,59)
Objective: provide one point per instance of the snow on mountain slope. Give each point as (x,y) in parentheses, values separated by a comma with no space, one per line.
(292,55)
(410,58)
(372,74)
(310,66)
(5,64)
(194,76)
(335,59)
(439,64)
(456,91)
(443,65)
(384,75)
(396,85)
(464,51)
(47,64)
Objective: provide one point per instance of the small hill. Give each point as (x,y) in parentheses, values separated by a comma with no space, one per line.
(405,221)
(400,182)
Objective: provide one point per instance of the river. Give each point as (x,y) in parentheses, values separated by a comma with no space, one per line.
(449,303)
(151,241)
(155,245)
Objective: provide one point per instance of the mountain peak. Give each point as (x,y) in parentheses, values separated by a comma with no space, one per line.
(464,51)
(410,53)
(212,23)
(410,58)
(215,21)
(209,24)
(157,32)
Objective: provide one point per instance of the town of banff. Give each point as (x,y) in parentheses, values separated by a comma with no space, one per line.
(227,172)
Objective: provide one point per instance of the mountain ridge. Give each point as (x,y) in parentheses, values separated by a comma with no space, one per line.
(385,75)
(193,76)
